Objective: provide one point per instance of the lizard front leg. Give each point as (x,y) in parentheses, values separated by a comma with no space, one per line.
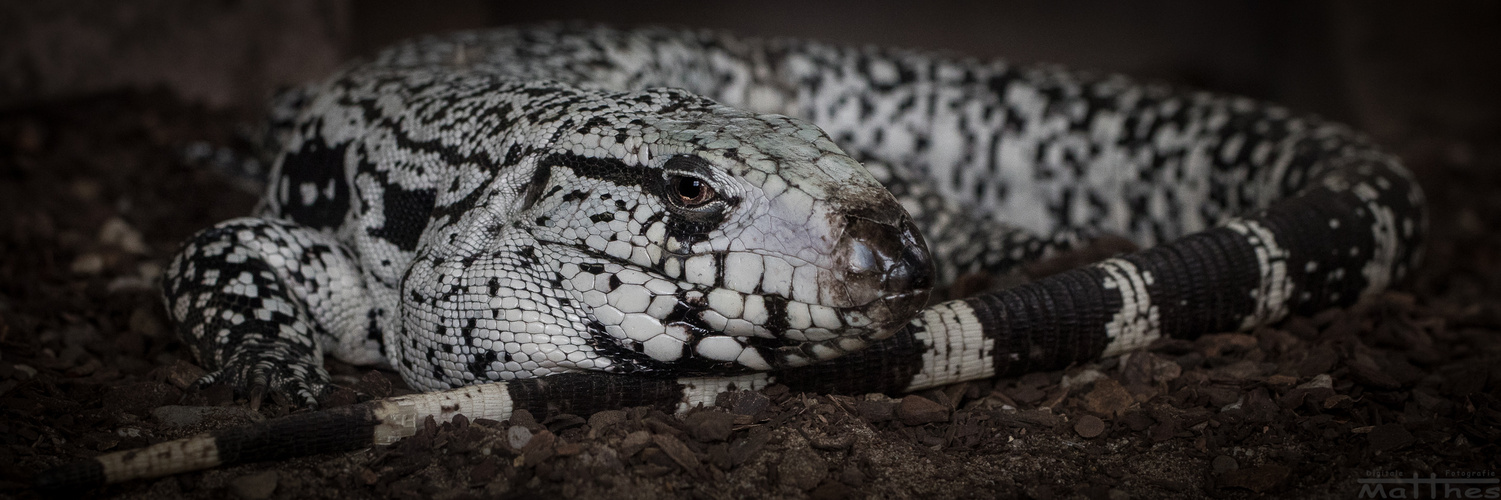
(258,301)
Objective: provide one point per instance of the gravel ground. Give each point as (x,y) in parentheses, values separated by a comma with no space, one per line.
(95,194)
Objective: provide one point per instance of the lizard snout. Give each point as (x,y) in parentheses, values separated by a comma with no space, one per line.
(882,260)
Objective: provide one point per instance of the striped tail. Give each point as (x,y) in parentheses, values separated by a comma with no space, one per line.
(1354,231)
(389,420)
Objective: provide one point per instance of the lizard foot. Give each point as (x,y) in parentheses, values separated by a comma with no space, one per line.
(299,383)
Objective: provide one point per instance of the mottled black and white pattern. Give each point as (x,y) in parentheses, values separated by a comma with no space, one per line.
(504,204)
(599,217)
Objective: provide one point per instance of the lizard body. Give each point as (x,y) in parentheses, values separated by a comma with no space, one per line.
(596,218)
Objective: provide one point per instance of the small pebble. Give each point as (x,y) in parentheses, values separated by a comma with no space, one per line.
(606,418)
(1108,398)
(1237,371)
(875,411)
(254,486)
(26,370)
(119,233)
(1222,464)
(1165,371)
(745,402)
(523,418)
(1089,426)
(1281,380)
(918,410)
(709,426)
(1083,378)
(634,442)
(182,374)
(518,436)
(802,468)
(89,263)
(1322,381)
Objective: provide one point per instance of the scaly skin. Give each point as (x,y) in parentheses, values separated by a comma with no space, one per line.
(497,205)
(597,218)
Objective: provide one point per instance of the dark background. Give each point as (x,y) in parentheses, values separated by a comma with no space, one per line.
(1392,68)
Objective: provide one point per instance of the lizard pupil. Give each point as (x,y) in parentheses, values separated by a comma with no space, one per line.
(692,192)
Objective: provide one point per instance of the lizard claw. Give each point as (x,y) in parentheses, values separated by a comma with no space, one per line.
(296,382)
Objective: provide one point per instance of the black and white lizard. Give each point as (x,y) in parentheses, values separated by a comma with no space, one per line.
(594,218)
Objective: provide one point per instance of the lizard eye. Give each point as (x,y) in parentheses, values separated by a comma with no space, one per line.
(691,192)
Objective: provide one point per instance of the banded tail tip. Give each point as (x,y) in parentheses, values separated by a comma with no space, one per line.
(70,479)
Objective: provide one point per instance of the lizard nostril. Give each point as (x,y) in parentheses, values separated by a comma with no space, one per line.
(915,267)
(882,259)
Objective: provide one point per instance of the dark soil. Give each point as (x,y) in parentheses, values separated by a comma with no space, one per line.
(95,194)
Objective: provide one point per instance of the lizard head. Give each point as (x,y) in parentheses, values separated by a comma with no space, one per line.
(652,231)
(709,238)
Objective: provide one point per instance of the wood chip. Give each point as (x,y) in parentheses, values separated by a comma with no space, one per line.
(676,450)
